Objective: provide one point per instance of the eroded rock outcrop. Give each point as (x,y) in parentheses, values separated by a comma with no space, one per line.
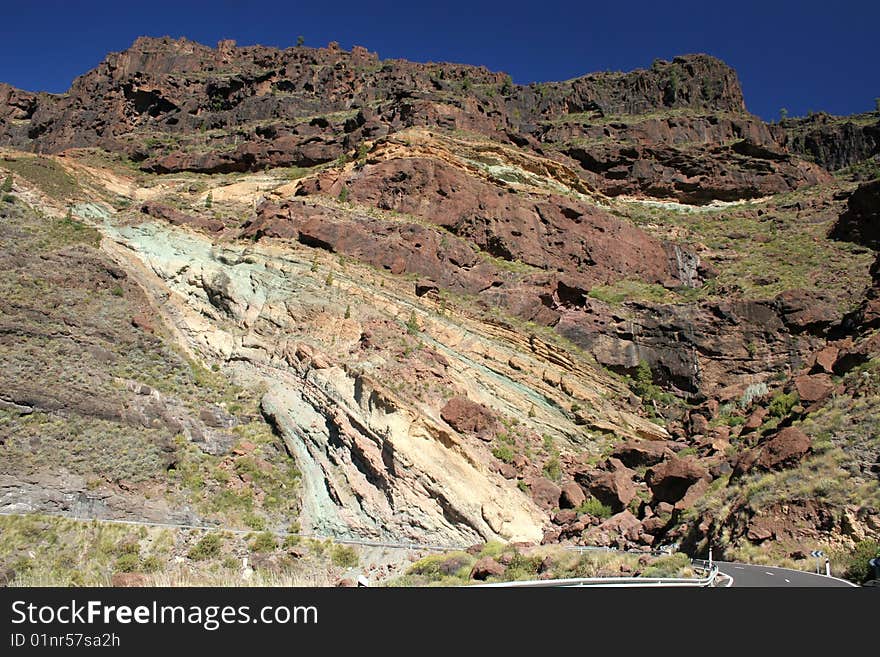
(834,142)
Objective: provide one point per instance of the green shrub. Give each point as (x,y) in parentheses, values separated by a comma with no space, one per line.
(209,200)
(595,508)
(208,547)
(7,185)
(506,438)
(343,194)
(668,566)
(856,566)
(127,563)
(492,549)
(552,469)
(782,403)
(503,453)
(151,564)
(344,556)
(264,542)
(438,566)
(522,567)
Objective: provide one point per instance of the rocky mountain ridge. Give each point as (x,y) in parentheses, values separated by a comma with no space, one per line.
(616,310)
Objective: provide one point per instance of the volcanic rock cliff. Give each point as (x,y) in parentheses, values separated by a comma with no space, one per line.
(603,311)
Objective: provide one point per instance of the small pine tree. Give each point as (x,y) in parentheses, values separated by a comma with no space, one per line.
(7,185)
(314,266)
(343,194)
(209,200)
(507,86)
(348,312)
(674,81)
(412,324)
(644,383)
(877,105)
(329,280)
(69,216)
(532,411)
(300,40)
(783,114)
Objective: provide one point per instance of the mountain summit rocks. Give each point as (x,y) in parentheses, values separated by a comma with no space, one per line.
(176,105)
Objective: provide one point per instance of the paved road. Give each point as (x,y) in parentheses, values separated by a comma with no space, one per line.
(755,576)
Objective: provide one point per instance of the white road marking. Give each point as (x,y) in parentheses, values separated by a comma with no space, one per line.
(805,572)
(768,572)
(788,580)
(739,567)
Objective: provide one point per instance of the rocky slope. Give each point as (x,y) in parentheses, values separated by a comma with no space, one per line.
(616,310)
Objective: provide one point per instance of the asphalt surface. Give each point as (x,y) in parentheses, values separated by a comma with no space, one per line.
(764,576)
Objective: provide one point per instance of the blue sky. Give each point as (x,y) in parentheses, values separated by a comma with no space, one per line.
(803,56)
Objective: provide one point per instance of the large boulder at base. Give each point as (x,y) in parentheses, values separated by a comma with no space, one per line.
(756,419)
(616,489)
(618,529)
(813,388)
(670,481)
(825,359)
(635,453)
(784,450)
(544,492)
(487,567)
(572,495)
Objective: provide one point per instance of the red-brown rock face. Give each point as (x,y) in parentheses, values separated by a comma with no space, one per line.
(552,233)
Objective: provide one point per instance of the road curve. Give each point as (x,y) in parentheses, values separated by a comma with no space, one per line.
(748,575)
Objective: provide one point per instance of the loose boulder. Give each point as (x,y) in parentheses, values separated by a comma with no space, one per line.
(487,567)
(670,481)
(616,489)
(466,416)
(783,450)
(813,388)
